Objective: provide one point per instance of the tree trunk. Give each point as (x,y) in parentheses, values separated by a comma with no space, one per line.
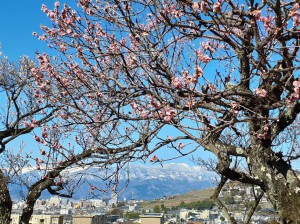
(6,203)
(36,189)
(33,194)
(284,195)
(281,183)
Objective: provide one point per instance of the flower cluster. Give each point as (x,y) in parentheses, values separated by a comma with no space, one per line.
(169,114)
(202,5)
(295,14)
(203,58)
(264,134)
(177,82)
(262,93)
(172,10)
(296,94)
(217,7)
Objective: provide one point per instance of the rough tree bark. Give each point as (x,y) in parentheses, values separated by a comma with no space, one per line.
(280,183)
(6,202)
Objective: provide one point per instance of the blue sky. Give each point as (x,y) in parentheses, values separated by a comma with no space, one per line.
(18,19)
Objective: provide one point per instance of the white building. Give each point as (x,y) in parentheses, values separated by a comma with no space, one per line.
(183,213)
(114,199)
(54,201)
(97,203)
(38,219)
(205,214)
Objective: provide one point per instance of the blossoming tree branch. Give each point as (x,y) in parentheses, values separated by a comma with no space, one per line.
(68,143)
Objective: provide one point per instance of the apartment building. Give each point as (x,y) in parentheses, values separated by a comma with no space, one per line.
(89,219)
(152,218)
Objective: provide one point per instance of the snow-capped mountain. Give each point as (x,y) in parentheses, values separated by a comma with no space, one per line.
(174,171)
(146,181)
(149,182)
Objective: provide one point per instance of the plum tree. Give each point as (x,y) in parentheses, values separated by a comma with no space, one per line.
(224,74)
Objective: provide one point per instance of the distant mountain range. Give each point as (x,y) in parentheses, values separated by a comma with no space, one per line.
(151,182)
(147,182)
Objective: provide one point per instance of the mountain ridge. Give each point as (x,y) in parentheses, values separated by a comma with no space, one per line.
(146,182)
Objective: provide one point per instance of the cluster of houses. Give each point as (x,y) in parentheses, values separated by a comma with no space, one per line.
(215,216)
(95,211)
(199,217)
(150,218)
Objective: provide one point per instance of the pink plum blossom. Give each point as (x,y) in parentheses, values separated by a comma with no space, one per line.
(203,7)
(176,82)
(217,7)
(167,118)
(144,114)
(154,159)
(44,134)
(260,93)
(133,105)
(37,138)
(180,145)
(195,6)
(262,136)
(198,71)
(256,14)
(44,8)
(296,84)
